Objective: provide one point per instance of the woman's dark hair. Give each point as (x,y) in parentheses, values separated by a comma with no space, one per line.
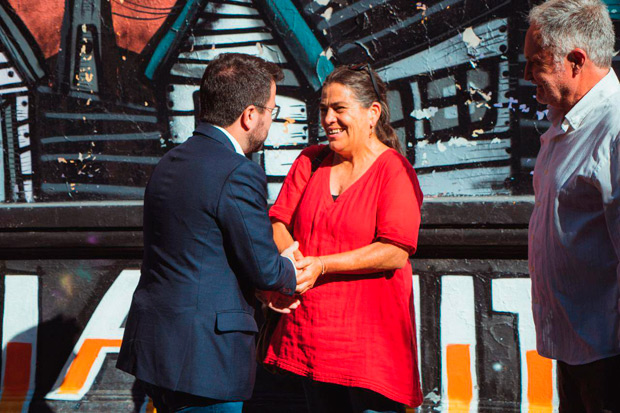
(367,87)
(231,83)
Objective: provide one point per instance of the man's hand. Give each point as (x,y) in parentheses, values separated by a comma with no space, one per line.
(293,252)
(297,254)
(311,269)
(277,302)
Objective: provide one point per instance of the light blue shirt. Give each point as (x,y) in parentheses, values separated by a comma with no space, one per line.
(574,231)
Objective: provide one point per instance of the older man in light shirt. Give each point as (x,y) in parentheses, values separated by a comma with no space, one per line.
(574,233)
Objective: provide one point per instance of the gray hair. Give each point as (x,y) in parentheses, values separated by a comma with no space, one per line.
(566,24)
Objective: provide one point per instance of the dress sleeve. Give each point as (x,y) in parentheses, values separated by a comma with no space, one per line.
(294,184)
(399,205)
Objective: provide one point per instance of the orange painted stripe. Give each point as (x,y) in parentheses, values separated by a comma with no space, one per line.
(83,362)
(539,382)
(460,386)
(150,408)
(16,376)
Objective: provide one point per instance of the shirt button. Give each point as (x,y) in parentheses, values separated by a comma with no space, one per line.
(546,171)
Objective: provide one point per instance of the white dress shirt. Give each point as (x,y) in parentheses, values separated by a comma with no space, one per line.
(574,231)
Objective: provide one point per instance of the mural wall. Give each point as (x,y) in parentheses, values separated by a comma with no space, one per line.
(62,325)
(94,92)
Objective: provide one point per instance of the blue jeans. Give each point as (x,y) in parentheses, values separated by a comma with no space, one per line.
(333,398)
(168,401)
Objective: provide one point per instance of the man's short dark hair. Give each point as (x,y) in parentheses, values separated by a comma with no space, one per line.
(231,83)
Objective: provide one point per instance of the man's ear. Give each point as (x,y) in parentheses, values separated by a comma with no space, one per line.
(248,117)
(577,57)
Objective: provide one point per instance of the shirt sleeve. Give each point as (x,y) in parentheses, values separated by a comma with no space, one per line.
(398,209)
(612,204)
(247,232)
(294,185)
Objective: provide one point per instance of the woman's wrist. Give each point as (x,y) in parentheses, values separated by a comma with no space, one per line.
(323,266)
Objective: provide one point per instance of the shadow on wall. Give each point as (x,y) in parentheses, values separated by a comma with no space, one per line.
(56,338)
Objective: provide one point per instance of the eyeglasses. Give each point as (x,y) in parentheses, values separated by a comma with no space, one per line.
(275,111)
(365,66)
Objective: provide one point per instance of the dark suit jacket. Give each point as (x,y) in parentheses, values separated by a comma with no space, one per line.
(207,244)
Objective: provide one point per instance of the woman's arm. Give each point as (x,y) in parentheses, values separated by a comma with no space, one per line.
(283,240)
(378,256)
(281,234)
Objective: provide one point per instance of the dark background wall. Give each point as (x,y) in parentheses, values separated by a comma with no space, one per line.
(94,92)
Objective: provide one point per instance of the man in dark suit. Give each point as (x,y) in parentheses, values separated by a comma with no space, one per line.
(189,336)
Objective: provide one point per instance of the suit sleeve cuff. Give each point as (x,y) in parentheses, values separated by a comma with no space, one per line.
(286,290)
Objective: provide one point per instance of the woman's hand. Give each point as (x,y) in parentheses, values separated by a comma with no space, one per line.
(277,302)
(311,268)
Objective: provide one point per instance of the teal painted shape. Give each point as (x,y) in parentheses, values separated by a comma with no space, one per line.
(614,8)
(167,43)
(19,48)
(300,41)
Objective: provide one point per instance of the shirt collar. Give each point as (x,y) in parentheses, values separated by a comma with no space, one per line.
(605,87)
(234,142)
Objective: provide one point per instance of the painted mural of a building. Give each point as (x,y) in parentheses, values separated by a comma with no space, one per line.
(94,92)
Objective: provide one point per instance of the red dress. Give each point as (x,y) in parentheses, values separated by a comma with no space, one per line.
(352,329)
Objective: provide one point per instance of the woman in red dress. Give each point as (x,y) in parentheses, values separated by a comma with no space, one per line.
(356,218)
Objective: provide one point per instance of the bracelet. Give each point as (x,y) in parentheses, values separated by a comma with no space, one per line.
(322,266)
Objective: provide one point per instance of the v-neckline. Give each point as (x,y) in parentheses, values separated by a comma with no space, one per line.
(355,183)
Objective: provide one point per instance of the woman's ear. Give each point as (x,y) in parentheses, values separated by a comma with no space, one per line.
(374,113)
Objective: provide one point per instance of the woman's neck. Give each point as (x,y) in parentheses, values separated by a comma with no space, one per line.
(348,168)
(362,154)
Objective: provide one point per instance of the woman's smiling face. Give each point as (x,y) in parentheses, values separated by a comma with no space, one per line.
(345,121)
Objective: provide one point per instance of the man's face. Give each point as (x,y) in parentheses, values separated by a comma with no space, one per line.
(260,132)
(553,81)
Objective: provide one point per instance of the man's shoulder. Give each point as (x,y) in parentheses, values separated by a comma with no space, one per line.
(606,114)
(612,101)
(247,169)
(209,146)
(200,159)
(610,113)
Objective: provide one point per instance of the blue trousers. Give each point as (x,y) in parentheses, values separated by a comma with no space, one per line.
(333,398)
(168,401)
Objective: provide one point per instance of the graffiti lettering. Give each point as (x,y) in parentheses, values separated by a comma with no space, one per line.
(19,340)
(102,335)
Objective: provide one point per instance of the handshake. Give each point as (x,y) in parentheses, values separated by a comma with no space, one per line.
(308,270)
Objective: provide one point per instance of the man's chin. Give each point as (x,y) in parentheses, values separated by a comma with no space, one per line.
(541,96)
(541,100)
(256,146)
